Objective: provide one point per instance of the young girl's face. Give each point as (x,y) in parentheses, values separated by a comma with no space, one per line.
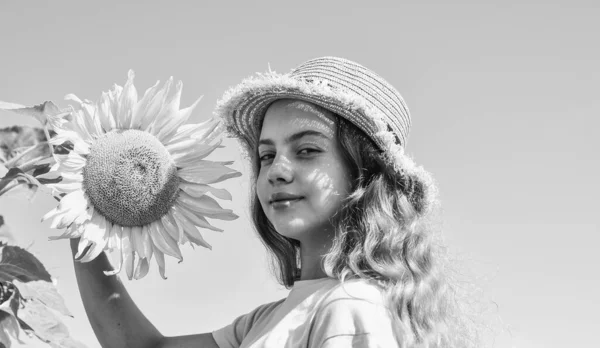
(302,180)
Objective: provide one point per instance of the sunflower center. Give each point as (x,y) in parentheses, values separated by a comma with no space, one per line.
(130,177)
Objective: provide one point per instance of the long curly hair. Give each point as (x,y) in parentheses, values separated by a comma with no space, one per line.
(383,235)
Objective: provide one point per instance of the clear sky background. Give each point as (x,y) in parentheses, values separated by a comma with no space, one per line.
(505,102)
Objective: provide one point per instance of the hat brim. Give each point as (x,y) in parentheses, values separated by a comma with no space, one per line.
(243,107)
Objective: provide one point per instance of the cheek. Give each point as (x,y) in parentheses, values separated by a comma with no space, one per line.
(331,186)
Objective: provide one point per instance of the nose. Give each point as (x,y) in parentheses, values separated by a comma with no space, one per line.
(281,171)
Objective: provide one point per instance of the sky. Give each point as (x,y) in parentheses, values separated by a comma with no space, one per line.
(505,108)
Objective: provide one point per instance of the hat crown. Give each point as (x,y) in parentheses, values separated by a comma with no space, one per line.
(350,77)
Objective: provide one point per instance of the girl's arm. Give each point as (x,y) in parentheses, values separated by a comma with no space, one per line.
(115,318)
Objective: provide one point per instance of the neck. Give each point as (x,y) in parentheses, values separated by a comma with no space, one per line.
(311,267)
(311,257)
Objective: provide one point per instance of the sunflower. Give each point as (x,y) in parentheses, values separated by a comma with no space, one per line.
(134,180)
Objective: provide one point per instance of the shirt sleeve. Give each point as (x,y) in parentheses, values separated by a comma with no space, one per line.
(352,323)
(232,335)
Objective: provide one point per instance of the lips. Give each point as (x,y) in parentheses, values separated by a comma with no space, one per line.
(282,197)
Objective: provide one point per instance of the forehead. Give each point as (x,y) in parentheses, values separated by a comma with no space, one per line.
(288,116)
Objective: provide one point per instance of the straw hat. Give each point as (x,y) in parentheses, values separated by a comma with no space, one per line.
(347,89)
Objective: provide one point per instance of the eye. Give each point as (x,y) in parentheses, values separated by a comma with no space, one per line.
(266,158)
(308,151)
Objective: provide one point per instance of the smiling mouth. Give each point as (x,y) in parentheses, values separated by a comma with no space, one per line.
(284,202)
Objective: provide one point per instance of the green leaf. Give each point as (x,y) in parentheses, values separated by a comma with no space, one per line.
(45,292)
(6,236)
(40,321)
(15,178)
(45,325)
(9,326)
(9,329)
(33,303)
(45,112)
(20,144)
(18,263)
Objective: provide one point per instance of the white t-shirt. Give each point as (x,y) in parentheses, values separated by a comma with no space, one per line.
(320,313)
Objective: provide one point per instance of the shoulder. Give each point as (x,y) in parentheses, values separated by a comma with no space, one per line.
(233,334)
(357,290)
(357,300)
(257,314)
(353,311)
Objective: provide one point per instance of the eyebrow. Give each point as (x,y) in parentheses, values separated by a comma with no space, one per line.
(294,137)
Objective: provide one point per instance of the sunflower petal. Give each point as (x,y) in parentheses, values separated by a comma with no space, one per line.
(171,226)
(127,251)
(197,190)
(210,133)
(142,268)
(163,241)
(64,220)
(92,121)
(178,218)
(97,232)
(71,162)
(176,121)
(72,97)
(169,111)
(66,187)
(207,172)
(206,206)
(156,105)
(197,218)
(191,158)
(114,240)
(82,246)
(187,130)
(52,214)
(127,100)
(137,241)
(141,108)
(119,263)
(107,119)
(187,220)
(196,238)
(160,261)
(72,231)
(62,136)
(195,148)
(147,240)
(86,214)
(114,95)
(77,123)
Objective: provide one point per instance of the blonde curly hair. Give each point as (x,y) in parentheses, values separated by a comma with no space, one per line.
(386,233)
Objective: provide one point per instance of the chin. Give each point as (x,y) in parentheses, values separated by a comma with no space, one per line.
(292,229)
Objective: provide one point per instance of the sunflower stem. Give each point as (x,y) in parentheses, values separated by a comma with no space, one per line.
(10,186)
(15,159)
(25,167)
(47,133)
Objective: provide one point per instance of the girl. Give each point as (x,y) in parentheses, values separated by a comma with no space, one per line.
(344,212)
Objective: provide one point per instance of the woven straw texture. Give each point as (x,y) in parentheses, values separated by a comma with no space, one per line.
(347,89)
(342,86)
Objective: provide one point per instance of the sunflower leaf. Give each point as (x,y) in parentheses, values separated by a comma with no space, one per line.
(9,326)
(9,329)
(45,292)
(45,325)
(34,300)
(47,112)
(16,178)
(21,144)
(18,263)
